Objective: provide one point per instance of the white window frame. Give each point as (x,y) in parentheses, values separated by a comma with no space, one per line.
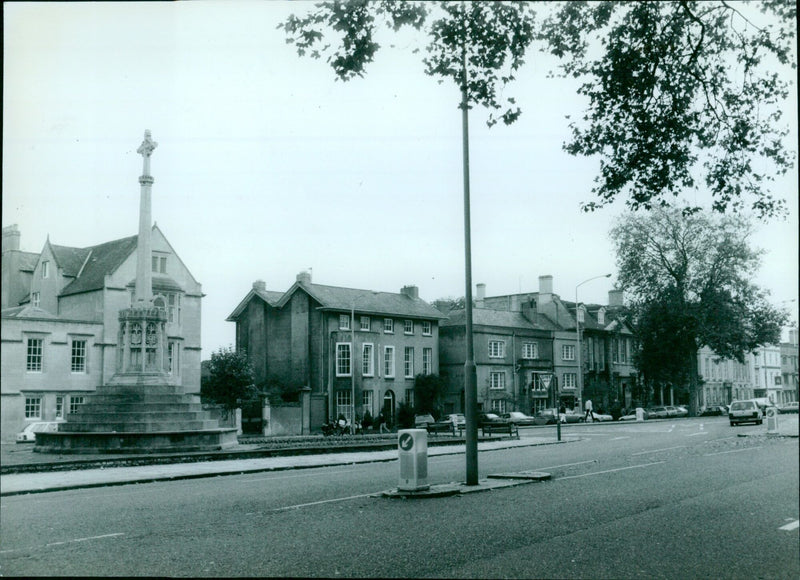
(427,361)
(497,349)
(567,352)
(59,406)
(344,356)
(366,402)
(36,299)
(46,269)
(388,325)
(530,350)
(34,355)
(344,322)
(78,359)
(497,380)
(33,407)
(174,307)
(427,328)
(364,323)
(367,359)
(388,362)
(408,362)
(498,406)
(344,405)
(569,381)
(173,357)
(408,326)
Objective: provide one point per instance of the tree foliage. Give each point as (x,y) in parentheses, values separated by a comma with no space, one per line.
(230,380)
(676,90)
(428,394)
(689,278)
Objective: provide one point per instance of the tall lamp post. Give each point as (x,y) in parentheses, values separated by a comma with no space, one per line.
(579,382)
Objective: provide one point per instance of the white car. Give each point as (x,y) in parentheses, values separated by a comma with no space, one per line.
(601,417)
(745,412)
(28,434)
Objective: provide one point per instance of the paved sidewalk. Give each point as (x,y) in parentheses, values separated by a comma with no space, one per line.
(20,483)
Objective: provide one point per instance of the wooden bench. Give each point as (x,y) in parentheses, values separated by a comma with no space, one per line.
(440,427)
(510,428)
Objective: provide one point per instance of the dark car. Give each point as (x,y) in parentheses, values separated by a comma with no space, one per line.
(518,418)
(546,417)
(484,418)
(713,411)
(788,407)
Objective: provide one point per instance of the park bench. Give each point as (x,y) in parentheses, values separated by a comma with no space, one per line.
(440,427)
(510,428)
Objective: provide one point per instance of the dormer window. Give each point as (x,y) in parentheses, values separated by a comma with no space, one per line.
(601,316)
(159,264)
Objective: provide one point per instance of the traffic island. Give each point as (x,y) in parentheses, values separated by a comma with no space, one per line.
(494,481)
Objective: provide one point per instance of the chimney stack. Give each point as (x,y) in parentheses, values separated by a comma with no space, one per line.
(410,291)
(615,298)
(545,289)
(260,285)
(11,237)
(304,277)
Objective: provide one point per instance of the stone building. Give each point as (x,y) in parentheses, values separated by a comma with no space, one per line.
(59,341)
(346,345)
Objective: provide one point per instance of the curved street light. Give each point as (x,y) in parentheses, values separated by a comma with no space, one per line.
(579,384)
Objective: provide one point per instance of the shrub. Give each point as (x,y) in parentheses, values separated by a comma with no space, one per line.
(405,416)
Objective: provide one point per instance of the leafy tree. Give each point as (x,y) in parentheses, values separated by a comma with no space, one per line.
(230,379)
(689,278)
(405,416)
(428,394)
(676,89)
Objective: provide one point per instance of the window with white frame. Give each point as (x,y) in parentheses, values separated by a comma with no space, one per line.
(497,349)
(536,383)
(426,328)
(427,361)
(498,406)
(343,368)
(568,381)
(74,402)
(45,269)
(173,354)
(388,362)
(614,350)
(567,352)
(33,361)
(388,325)
(78,357)
(364,323)
(344,406)
(530,350)
(59,407)
(367,363)
(497,380)
(366,403)
(174,307)
(623,350)
(408,362)
(344,322)
(408,327)
(36,299)
(33,407)
(159,264)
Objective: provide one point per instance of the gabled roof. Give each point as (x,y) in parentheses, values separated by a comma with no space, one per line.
(69,259)
(336,298)
(27,261)
(27,311)
(500,318)
(103,259)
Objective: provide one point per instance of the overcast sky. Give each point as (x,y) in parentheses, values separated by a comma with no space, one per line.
(266,166)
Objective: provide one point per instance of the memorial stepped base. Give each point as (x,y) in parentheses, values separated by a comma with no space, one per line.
(138,418)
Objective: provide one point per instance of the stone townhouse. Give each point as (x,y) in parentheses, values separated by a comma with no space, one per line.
(59,340)
(789,355)
(723,380)
(346,345)
(767,378)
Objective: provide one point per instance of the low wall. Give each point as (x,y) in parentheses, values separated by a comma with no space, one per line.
(286,419)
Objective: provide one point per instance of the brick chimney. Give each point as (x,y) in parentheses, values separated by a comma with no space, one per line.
(480,294)
(304,277)
(260,285)
(545,289)
(410,291)
(11,237)
(615,298)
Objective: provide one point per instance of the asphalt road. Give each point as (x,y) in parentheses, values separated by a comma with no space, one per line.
(683,499)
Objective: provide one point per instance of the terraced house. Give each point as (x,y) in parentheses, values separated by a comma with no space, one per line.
(356,350)
(59,338)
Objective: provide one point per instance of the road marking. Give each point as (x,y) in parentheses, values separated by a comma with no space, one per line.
(731,451)
(66,542)
(791,526)
(698,433)
(657,450)
(611,470)
(566,465)
(618,438)
(300,505)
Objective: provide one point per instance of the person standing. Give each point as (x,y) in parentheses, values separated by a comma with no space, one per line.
(382,423)
(588,406)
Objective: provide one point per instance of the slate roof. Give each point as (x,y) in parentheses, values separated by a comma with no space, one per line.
(70,259)
(28,260)
(27,311)
(103,259)
(501,318)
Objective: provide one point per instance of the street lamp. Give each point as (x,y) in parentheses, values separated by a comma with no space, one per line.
(579,382)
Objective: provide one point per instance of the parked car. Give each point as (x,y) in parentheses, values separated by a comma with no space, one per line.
(788,407)
(518,418)
(28,434)
(573,417)
(546,417)
(682,411)
(658,412)
(672,411)
(489,418)
(601,416)
(421,421)
(632,415)
(745,412)
(461,421)
(713,411)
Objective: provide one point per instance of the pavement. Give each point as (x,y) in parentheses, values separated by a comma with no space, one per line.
(59,480)
(58,473)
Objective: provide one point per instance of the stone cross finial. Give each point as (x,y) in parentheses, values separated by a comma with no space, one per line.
(147,146)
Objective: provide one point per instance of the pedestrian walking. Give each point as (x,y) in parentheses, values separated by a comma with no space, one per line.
(588,417)
(382,423)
